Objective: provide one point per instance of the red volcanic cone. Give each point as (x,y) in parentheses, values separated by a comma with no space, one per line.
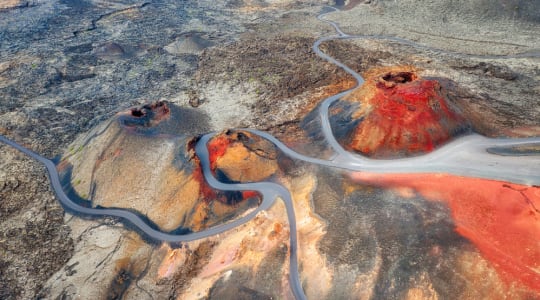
(238,156)
(402,114)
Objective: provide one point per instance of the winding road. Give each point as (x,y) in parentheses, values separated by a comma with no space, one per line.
(466,156)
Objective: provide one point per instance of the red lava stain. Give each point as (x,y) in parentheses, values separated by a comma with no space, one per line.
(117,152)
(250,194)
(217,148)
(501,219)
(402,114)
(206,191)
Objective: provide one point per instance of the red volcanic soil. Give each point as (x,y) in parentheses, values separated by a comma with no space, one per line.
(217,148)
(402,113)
(501,219)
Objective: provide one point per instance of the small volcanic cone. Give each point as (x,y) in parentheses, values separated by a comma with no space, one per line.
(190,43)
(144,161)
(240,156)
(236,156)
(401,113)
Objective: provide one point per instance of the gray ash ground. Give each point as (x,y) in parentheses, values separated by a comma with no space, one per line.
(66,66)
(34,240)
(399,247)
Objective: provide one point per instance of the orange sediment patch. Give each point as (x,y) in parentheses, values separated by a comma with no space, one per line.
(242,164)
(5,4)
(501,219)
(173,259)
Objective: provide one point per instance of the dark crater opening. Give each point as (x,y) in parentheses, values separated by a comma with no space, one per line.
(159,107)
(137,112)
(401,77)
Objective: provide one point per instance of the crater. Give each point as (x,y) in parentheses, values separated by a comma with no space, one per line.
(399,77)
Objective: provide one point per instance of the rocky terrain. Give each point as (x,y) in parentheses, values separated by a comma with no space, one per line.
(66,67)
